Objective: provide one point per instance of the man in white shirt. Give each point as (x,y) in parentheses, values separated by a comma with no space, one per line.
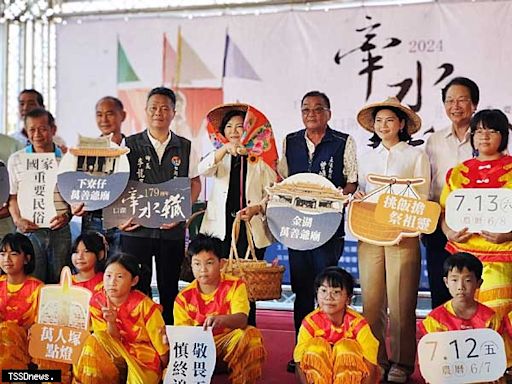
(445,149)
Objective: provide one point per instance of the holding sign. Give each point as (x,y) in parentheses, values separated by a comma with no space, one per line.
(470,356)
(192,355)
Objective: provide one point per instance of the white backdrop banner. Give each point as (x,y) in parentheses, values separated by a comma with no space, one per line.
(355,55)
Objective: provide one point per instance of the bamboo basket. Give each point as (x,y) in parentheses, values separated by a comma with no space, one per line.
(263,280)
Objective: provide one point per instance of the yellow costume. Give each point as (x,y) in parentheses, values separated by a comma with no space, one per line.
(335,355)
(443,318)
(241,349)
(496,290)
(18,310)
(137,353)
(506,332)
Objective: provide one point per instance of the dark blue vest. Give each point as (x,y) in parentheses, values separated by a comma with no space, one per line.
(327,159)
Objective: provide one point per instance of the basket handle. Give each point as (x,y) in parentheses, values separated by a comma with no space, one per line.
(233,251)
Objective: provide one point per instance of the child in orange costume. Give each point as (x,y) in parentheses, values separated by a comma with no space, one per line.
(89,251)
(462,276)
(220,301)
(19,294)
(129,331)
(335,344)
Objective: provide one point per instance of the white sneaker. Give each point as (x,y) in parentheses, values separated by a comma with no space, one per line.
(397,375)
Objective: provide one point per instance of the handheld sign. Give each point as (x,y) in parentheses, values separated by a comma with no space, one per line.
(4,184)
(37,185)
(62,322)
(95,173)
(192,355)
(469,356)
(488,209)
(391,212)
(151,205)
(304,211)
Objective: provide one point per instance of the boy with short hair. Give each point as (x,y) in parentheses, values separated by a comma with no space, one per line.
(462,276)
(220,301)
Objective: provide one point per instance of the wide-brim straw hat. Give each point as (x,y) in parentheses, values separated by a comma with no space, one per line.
(365,115)
(216,115)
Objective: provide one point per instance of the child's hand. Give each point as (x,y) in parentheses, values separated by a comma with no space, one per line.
(218,321)
(109,314)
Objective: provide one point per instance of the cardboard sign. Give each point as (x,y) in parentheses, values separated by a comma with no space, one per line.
(487,209)
(151,205)
(192,355)
(4,184)
(37,183)
(57,343)
(407,213)
(376,228)
(95,173)
(304,211)
(62,321)
(469,356)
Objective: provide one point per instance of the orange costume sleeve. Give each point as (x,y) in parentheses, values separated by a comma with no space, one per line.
(94,284)
(18,303)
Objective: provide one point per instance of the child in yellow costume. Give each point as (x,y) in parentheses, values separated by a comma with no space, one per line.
(220,301)
(335,344)
(88,259)
(19,294)
(129,331)
(462,276)
(490,169)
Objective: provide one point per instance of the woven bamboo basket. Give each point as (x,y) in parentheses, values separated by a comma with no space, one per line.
(365,226)
(263,280)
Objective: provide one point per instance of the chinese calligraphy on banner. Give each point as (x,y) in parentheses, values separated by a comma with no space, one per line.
(151,205)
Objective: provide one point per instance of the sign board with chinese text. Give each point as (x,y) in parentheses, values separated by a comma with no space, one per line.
(4,184)
(468,356)
(62,321)
(97,187)
(37,183)
(488,209)
(151,205)
(362,214)
(304,211)
(407,213)
(57,343)
(192,355)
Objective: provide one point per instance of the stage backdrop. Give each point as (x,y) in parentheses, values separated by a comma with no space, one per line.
(355,55)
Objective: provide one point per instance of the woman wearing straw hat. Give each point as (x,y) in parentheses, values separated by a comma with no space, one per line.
(390,274)
(242,166)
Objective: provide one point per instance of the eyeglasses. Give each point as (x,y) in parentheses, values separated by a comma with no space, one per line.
(485,131)
(316,110)
(335,293)
(460,100)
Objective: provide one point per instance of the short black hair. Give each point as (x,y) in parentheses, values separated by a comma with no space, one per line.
(465,82)
(39,96)
(118,103)
(403,134)
(164,91)
(228,116)
(461,260)
(335,277)
(20,243)
(317,94)
(39,112)
(491,119)
(205,243)
(131,264)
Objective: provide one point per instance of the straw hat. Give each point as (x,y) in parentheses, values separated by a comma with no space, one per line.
(216,115)
(365,118)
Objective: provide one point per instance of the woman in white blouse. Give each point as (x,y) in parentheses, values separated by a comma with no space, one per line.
(389,275)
